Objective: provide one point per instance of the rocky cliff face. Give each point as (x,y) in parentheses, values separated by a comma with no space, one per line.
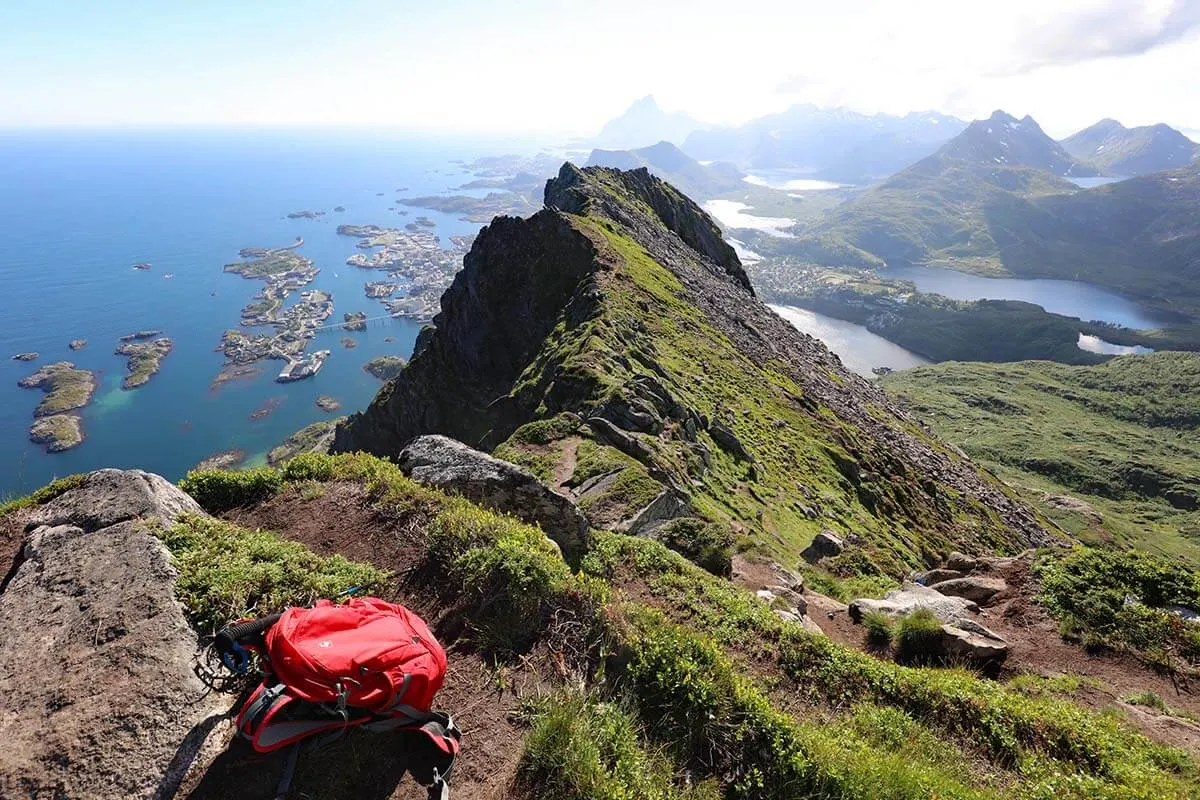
(612,344)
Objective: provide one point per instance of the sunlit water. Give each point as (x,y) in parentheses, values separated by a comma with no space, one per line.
(732,214)
(859,349)
(1094,344)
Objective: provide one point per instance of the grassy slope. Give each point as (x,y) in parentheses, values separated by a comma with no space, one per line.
(687,699)
(1121,436)
(648,321)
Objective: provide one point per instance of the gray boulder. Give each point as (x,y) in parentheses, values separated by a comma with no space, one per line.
(962,563)
(668,505)
(962,638)
(935,576)
(97,694)
(978,645)
(974,587)
(453,466)
(911,596)
(825,543)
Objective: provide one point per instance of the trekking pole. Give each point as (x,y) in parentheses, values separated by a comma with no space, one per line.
(228,641)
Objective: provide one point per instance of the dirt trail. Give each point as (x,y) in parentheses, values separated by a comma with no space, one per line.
(1107,677)
(482,697)
(565,467)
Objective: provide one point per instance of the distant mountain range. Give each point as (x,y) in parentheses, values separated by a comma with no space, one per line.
(644,123)
(993,199)
(830,144)
(668,162)
(1117,150)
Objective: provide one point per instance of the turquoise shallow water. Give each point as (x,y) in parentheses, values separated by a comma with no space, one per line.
(78,209)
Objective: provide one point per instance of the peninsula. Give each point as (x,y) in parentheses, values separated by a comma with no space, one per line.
(283,271)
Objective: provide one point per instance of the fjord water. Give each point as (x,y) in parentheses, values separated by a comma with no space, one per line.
(77,209)
(1070,298)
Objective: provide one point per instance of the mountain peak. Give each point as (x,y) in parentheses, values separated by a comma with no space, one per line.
(1004,141)
(1123,151)
(643,123)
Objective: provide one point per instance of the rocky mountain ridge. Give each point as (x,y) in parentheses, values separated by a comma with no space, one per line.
(612,343)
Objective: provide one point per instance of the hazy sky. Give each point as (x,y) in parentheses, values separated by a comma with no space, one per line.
(563,66)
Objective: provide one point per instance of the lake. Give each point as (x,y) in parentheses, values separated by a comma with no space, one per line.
(79,208)
(860,350)
(1070,298)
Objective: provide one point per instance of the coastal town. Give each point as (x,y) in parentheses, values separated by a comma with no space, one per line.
(419,268)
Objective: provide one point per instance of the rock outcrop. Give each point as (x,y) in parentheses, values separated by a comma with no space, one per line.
(962,637)
(453,466)
(911,596)
(97,694)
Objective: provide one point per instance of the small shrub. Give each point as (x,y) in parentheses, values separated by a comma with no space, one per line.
(226,572)
(545,431)
(878,627)
(918,636)
(1148,699)
(308,467)
(1114,598)
(220,490)
(706,544)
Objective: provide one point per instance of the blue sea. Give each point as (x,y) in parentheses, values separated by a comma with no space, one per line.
(78,208)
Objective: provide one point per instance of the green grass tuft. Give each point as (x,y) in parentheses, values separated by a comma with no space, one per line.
(878,629)
(582,748)
(918,636)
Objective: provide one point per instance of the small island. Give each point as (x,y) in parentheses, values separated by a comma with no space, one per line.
(57,433)
(224,459)
(31,356)
(266,408)
(339,209)
(349,343)
(305,214)
(327,403)
(145,357)
(66,389)
(355,321)
(142,266)
(77,344)
(414,259)
(385,367)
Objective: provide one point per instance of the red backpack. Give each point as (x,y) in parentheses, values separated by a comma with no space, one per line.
(365,662)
